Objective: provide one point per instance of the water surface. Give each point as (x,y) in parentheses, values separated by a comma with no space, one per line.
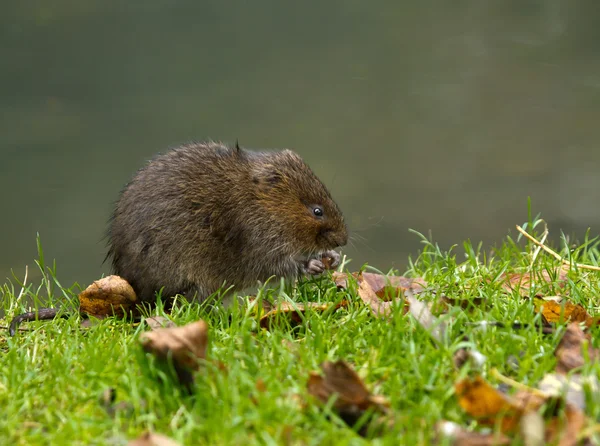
(438,116)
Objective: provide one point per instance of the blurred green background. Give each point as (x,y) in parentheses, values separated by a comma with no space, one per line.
(441,116)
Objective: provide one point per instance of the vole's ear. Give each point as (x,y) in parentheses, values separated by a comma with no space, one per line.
(266,176)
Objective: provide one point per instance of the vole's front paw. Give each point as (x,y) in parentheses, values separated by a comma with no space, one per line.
(314,267)
(327,260)
(331,259)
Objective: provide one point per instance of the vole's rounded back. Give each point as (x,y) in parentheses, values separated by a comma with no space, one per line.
(203,215)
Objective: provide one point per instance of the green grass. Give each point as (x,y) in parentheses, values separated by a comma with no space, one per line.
(51,376)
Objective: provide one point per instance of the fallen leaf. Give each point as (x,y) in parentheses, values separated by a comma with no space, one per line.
(294,310)
(156,322)
(569,350)
(341,279)
(423,315)
(488,405)
(368,296)
(353,399)
(184,344)
(109,296)
(415,307)
(525,283)
(557,309)
(152,439)
(460,436)
(566,429)
(385,287)
(389,287)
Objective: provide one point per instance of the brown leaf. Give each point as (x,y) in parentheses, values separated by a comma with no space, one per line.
(109,296)
(424,317)
(352,396)
(341,279)
(487,404)
(566,429)
(293,311)
(523,283)
(369,297)
(184,344)
(569,350)
(152,439)
(557,309)
(385,287)
(463,437)
(156,322)
(389,287)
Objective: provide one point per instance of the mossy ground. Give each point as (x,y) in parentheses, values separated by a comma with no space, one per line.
(51,376)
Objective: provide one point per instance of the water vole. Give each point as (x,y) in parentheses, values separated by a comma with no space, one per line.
(204,214)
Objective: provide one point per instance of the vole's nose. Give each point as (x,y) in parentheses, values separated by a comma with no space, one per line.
(336,239)
(342,238)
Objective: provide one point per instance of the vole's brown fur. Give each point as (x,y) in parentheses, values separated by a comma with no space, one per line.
(204,214)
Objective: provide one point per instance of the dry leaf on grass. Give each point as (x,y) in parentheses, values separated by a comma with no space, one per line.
(569,351)
(566,430)
(368,296)
(525,283)
(385,287)
(341,279)
(389,287)
(183,345)
(558,309)
(352,398)
(487,404)
(519,413)
(156,322)
(152,439)
(109,296)
(293,312)
(460,436)
(375,290)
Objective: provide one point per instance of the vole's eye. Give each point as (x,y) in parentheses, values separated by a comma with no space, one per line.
(318,211)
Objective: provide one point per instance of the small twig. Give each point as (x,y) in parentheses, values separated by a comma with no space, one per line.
(18,299)
(4,327)
(542,241)
(555,254)
(516,384)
